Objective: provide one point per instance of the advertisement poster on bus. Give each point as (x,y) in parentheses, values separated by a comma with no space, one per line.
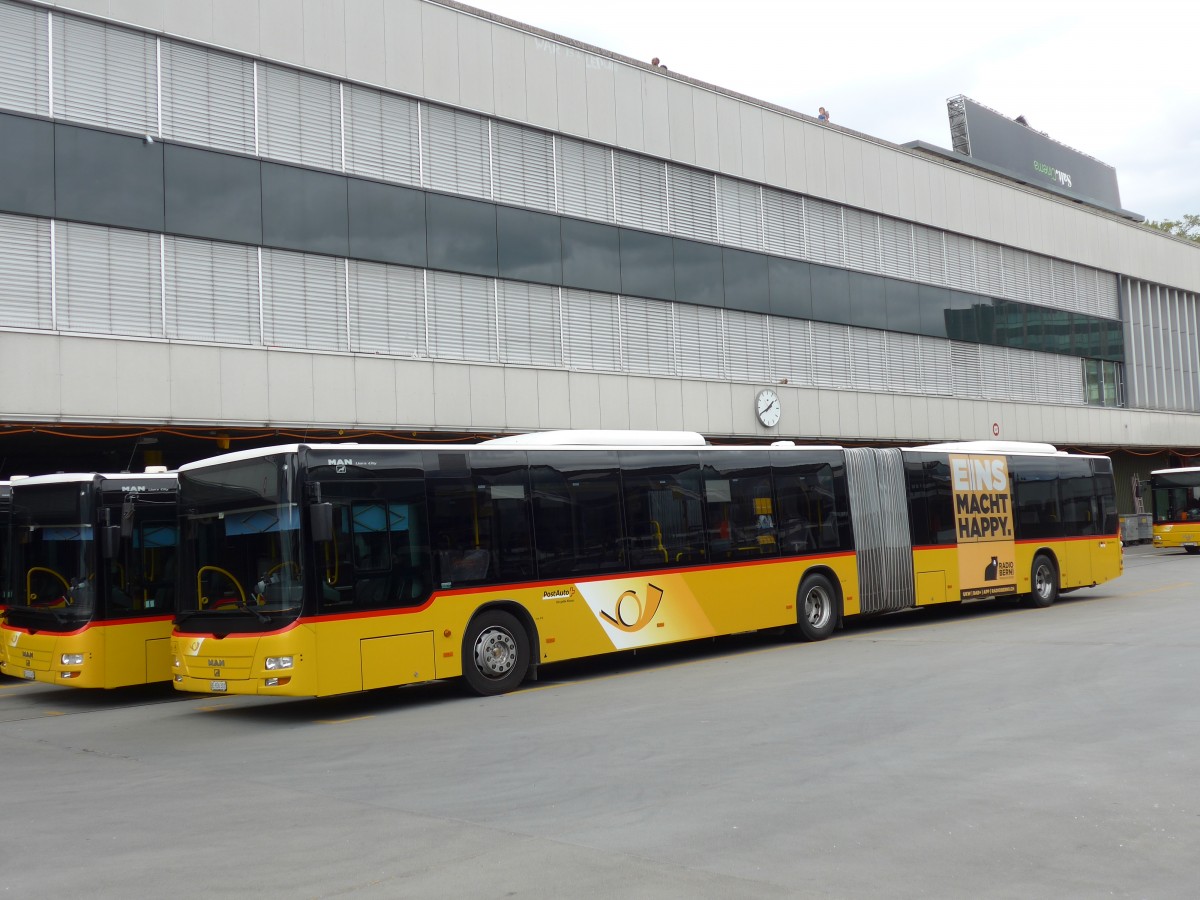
(983,519)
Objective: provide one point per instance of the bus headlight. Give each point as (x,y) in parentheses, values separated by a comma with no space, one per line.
(278,662)
(72,659)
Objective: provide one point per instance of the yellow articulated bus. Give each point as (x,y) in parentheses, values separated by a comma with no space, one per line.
(316,570)
(1176,497)
(92,579)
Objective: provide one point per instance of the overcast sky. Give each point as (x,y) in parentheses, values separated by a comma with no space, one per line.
(1117,81)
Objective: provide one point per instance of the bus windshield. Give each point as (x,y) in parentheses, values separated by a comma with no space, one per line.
(243,566)
(54,555)
(1176,496)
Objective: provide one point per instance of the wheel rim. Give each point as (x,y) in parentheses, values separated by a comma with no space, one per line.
(817,607)
(495,652)
(1041,581)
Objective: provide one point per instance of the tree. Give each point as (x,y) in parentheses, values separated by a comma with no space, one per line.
(1187,228)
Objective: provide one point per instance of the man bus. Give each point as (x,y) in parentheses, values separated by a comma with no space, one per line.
(314,570)
(92,577)
(1176,498)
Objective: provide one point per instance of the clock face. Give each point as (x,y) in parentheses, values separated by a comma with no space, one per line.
(768,408)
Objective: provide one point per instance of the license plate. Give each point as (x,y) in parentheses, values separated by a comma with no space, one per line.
(218,686)
(28,673)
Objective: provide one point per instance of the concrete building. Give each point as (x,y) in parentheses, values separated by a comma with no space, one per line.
(233,222)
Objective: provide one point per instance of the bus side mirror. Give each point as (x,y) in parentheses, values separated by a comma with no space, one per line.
(322,522)
(127,519)
(110,541)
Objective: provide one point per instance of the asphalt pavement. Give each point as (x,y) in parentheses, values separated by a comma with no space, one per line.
(987,751)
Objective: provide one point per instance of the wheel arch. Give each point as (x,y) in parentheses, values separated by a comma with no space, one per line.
(839,592)
(524,619)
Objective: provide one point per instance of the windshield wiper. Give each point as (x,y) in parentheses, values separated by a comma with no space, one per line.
(182,617)
(262,617)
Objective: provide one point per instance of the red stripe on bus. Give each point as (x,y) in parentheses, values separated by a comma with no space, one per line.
(518,585)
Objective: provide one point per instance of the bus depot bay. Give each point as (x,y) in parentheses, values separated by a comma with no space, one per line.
(91,579)
(314,570)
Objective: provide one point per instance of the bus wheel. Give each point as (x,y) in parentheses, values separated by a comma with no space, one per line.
(1191,549)
(816,608)
(495,653)
(1043,581)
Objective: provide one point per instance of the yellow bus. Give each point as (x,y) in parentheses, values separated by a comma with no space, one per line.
(92,578)
(5,545)
(1176,498)
(316,570)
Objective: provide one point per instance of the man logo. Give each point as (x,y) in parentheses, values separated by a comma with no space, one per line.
(630,614)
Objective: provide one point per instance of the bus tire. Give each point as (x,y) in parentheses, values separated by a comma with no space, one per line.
(1043,582)
(495,653)
(1191,549)
(816,608)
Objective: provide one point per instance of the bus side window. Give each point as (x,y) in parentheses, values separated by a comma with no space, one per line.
(503,512)
(664,517)
(378,557)
(810,515)
(577,523)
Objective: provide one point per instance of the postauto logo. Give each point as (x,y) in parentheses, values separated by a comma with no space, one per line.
(1053,174)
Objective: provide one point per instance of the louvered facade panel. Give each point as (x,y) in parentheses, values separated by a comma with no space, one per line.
(1063,275)
(304,301)
(1065,381)
(862,239)
(647,336)
(523,162)
(966,376)
(1041,281)
(930,255)
(387,310)
(207,98)
(457,151)
(383,135)
(791,351)
(299,119)
(896,248)
(104,75)
(212,292)
(937,372)
(591,330)
(24,70)
(747,346)
(869,361)
(960,262)
(462,317)
(692,198)
(1105,300)
(25,273)
(1088,290)
(831,360)
(783,223)
(823,237)
(641,191)
(903,362)
(1016,274)
(1023,376)
(989,269)
(108,281)
(739,213)
(530,324)
(585,180)
(698,332)
(995,379)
